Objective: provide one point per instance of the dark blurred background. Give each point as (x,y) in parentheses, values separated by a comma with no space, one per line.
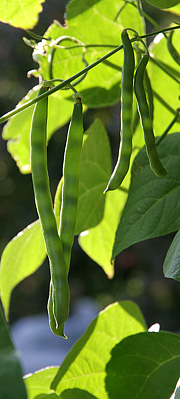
(138,270)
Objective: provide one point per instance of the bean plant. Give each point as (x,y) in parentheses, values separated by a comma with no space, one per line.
(102,56)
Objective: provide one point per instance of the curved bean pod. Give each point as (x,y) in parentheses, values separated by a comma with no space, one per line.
(146,122)
(125,148)
(60,289)
(70,188)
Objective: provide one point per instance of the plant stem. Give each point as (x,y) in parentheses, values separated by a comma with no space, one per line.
(15,111)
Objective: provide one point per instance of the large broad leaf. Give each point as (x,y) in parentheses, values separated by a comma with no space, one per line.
(152,208)
(21,14)
(144,366)
(21,257)
(83,372)
(11,383)
(98,241)
(171,265)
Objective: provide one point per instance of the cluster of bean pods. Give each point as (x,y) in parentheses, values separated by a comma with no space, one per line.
(59,242)
(145,108)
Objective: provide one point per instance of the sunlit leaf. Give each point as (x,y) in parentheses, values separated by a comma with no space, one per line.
(21,14)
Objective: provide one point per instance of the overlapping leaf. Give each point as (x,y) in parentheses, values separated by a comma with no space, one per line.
(143,366)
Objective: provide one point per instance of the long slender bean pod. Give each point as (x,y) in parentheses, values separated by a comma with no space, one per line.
(60,289)
(125,148)
(146,122)
(172,50)
(70,188)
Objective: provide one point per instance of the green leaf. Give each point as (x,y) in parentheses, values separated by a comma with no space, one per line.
(101,85)
(144,366)
(21,257)
(152,208)
(95,166)
(38,384)
(23,14)
(163,3)
(168,92)
(104,11)
(171,265)
(85,365)
(91,23)
(17,129)
(11,383)
(98,242)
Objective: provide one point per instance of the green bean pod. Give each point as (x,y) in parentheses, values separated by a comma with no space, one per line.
(52,321)
(172,50)
(60,288)
(146,122)
(125,148)
(149,92)
(70,187)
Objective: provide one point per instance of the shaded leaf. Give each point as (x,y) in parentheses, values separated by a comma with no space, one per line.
(143,366)
(171,265)
(152,208)
(11,382)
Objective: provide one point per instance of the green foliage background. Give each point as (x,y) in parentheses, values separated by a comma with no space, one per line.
(143,217)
